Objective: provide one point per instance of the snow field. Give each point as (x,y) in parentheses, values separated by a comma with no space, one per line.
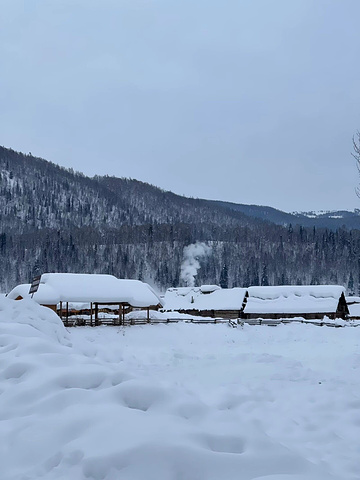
(176,402)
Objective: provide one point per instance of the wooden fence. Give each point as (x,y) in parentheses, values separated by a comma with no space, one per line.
(81,321)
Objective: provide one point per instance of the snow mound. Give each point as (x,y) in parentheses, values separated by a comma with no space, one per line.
(27,318)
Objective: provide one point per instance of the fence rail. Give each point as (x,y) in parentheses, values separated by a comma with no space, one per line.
(80,321)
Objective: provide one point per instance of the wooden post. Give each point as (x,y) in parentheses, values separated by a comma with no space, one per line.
(148,315)
(91,314)
(119,313)
(96,314)
(67,314)
(60,310)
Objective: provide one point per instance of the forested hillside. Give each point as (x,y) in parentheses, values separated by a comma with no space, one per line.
(53,219)
(37,194)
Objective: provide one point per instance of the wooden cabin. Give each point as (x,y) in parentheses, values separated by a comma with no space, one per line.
(206,301)
(305,301)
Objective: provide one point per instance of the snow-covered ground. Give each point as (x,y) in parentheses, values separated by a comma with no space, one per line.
(176,402)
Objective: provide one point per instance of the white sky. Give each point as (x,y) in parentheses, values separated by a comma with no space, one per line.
(251,102)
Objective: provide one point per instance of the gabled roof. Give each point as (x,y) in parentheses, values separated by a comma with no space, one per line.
(293,299)
(204,298)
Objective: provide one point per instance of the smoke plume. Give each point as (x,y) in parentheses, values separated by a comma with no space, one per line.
(190,265)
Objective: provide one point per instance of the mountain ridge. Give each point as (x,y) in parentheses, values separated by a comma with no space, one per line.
(109,186)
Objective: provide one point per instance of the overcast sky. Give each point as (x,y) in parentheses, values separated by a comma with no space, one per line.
(250,101)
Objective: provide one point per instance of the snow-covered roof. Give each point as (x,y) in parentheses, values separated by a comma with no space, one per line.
(209,288)
(198,298)
(293,299)
(352,300)
(354,310)
(139,294)
(77,287)
(45,295)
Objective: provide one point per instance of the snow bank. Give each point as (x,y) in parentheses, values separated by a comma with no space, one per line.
(180,401)
(143,315)
(27,318)
(164,316)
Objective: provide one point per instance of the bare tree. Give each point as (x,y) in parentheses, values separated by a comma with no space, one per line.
(356,155)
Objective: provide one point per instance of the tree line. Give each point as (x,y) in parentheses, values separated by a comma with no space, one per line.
(239,256)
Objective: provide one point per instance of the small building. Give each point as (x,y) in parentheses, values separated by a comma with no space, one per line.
(90,293)
(206,301)
(306,301)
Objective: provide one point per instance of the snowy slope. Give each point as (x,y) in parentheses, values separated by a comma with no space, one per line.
(171,402)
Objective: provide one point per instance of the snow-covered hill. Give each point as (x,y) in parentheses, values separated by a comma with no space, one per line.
(171,402)
(56,220)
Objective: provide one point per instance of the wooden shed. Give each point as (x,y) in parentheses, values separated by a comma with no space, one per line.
(306,301)
(101,291)
(92,294)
